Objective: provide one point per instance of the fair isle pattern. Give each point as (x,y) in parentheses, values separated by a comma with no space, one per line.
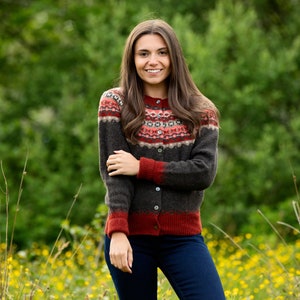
(110,110)
(161,127)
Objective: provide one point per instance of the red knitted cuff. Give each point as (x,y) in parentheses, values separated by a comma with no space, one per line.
(151,169)
(117,222)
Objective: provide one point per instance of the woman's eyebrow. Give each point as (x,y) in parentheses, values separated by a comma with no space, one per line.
(159,49)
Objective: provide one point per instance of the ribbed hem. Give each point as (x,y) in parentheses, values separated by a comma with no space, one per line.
(165,223)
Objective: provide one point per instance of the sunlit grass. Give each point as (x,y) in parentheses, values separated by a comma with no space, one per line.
(258,270)
(252,266)
(255,270)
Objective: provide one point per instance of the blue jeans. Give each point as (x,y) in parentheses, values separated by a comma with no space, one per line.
(185,261)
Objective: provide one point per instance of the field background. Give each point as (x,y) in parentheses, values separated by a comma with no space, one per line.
(57,57)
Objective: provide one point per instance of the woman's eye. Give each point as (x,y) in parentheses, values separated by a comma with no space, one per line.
(143,54)
(163,52)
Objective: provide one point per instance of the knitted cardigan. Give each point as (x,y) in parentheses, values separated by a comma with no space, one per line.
(175,169)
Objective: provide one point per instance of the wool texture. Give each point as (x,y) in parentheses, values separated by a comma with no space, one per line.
(175,169)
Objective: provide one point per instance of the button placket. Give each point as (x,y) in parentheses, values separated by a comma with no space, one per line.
(158,123)
(156,206)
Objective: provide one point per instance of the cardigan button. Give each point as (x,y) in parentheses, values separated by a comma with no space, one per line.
(157,188)
(159,149)
(156,207)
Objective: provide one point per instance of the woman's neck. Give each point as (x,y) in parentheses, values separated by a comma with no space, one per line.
(160,92)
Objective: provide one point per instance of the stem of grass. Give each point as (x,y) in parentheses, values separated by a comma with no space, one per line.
(5,278)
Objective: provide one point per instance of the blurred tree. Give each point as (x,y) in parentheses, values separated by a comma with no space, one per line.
(251,74)
(57,57)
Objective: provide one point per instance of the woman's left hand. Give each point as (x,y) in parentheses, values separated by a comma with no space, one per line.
(122,163)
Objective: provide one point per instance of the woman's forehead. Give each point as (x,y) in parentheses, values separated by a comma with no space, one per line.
(150,41)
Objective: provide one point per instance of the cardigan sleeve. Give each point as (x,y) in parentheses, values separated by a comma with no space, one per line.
(119,189)
(197,172)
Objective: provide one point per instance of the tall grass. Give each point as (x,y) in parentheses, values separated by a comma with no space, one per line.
(274,262)
(252,266)
(9,251)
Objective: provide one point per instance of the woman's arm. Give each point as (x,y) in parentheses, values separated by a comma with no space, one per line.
(119,189)
(197,172)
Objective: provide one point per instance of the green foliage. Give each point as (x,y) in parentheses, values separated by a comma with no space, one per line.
(57,57)
(251,76)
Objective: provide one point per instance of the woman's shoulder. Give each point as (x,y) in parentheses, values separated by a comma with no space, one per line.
(209,112)
(114,94)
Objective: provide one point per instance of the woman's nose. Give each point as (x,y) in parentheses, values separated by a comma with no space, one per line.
(153,59)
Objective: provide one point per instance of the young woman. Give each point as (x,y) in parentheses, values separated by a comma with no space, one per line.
(158,139)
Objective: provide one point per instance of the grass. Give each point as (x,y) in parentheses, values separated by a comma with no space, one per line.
(254,270)
(251,266)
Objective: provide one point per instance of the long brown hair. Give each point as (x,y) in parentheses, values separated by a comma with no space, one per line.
(185,99)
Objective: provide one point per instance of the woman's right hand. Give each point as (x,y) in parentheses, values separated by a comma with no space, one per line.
(120,252)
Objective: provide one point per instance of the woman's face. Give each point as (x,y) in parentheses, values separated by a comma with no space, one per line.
(152,61)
